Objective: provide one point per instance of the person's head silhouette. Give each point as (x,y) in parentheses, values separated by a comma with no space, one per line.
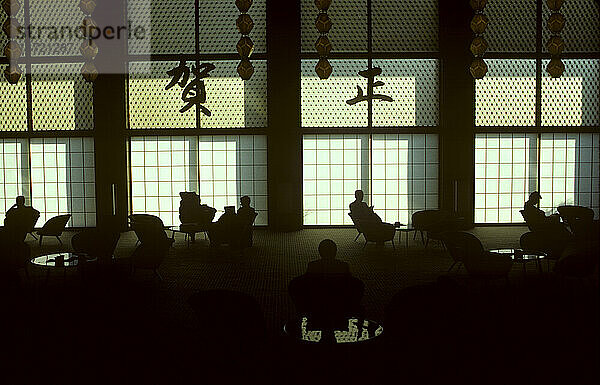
(534,198)
(358,194)
(327,249)
(20,201)
(245,201)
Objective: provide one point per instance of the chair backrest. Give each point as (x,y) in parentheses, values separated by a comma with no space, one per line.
(571,214)
(530,225)
(22,222)
(55,225)
(424,219)
(146,226)
(356,222)
(462,245)
(96,242)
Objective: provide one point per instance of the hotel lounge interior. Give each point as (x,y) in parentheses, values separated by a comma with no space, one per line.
(299,191)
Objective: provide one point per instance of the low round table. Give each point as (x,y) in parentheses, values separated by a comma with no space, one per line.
(523,257)
(402,228)
(358,330)
(53,261)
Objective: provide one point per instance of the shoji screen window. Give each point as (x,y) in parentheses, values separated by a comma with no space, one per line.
(220,168)
(56,176)
(535,132)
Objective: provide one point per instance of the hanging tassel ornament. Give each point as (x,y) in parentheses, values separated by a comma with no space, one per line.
(555,45)
(88,47)
(323,45)
(245,45)
(479,24)
(12,49)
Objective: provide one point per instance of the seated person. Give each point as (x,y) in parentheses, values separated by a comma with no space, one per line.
(378,230)
(193,215)
(246,216)
(360,210)
(226,229)
(20,219)
(328,265)
(536,217)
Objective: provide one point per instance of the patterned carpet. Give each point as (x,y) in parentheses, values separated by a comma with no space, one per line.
(265,270)
(139,329)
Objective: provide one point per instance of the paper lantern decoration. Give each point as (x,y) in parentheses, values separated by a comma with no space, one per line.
(479,45)
(88,48)
(478,68)
(245,46)
(245,69)
(12,49)
(323,45)
(89,72)
(555,44)
(11,7)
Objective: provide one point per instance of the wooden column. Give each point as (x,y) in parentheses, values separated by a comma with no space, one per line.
(457,160)
(284,138)
(110,105)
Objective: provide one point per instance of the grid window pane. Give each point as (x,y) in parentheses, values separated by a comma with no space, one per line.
(150,105)
(334,167)
(506,172)
(66,182)
(398,174)
(61,98)
(54,27)
(168,24)
(506,95)
(56,176)
(582,27)
(569,170)
(404,175)
(14,172)
(220,169)
(233,102)
(324,101)
(413,84)
(349,25)
(405,26)
(13,99)
(512,25)
(572,99)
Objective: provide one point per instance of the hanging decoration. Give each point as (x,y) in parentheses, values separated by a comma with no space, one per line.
(555,45)
(323,45)
(12,49)
(245,45)
(479,24)
(88,47)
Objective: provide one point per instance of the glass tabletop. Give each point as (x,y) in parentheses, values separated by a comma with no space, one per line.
(402,227)
(357,330)
(520,255)
(60,260)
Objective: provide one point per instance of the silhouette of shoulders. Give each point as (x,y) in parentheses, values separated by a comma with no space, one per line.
(328,267)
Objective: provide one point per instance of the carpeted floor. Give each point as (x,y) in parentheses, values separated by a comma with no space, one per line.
(265,270)
(118,327)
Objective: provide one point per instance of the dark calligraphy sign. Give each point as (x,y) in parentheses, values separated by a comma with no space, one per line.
(371,84)
(194,92)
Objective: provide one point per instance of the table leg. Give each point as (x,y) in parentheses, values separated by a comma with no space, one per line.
(524,263)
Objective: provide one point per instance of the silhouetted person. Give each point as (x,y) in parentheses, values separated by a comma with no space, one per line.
(360,210)
(536,217)
(246,216)
(226,229)
(328,265)
(20,219)
(369,221)
(194,215)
